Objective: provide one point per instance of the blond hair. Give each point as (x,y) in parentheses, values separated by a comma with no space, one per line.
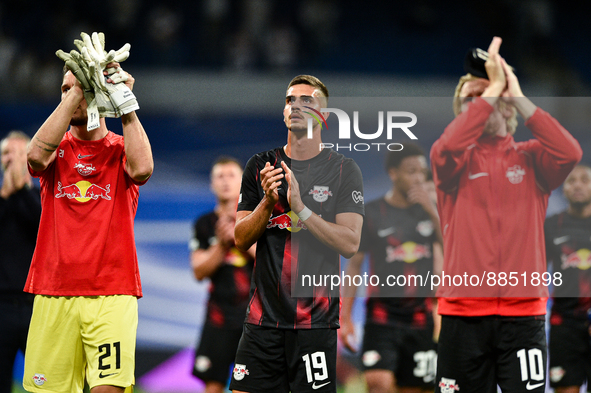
(15,134)
(457,104)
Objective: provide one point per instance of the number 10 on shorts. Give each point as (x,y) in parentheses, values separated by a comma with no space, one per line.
(532,361)
(316,361)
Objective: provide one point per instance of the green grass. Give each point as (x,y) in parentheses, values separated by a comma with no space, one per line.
(18,388)
(354,387)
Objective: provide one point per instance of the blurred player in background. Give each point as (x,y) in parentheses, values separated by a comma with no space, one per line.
(20,209)
(84,271)
(214,255)
(492,197)
(399,233)
(303,205)
(568,245)
(430,186)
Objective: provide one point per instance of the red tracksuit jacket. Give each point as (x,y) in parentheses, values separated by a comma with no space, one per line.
(492,195)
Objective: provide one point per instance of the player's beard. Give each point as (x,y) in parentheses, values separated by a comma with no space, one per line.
(298,128)
(79,120)
(580,205)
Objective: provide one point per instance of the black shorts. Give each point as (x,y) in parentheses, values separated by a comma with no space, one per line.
(216,353)
(408,352)
(477,353)
(279,360)
(570,354)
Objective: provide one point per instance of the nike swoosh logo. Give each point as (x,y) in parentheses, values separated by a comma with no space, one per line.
(531,387)
(386,232)
(80,156)
(314,386)
(105,375)
(476,175)
(560,240)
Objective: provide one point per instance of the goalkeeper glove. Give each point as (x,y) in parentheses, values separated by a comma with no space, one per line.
(82,74)
(94,54)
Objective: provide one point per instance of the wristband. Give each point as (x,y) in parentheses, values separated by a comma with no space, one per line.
(304,214)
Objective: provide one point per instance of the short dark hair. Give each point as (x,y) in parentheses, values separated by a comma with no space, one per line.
(222,160)
(309,80)
(394,158)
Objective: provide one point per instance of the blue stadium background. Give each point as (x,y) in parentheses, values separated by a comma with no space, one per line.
(211,77)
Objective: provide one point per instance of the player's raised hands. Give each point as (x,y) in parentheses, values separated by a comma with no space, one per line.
(494,65)
(513,89)
(270,181)
(514,96)
(293,192)
(418,194)
(106,75)
(224,230)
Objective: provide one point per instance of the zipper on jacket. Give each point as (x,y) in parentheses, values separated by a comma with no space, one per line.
(498,161)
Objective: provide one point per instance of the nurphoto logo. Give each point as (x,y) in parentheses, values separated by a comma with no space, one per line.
(395,120)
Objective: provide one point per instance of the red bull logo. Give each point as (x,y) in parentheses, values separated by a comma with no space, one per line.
(320,193)
(83,191)
(408,252)
(448,385)
(84,169)
(240,371)
(580,259)
(39,379)
(289,221)
(515,174)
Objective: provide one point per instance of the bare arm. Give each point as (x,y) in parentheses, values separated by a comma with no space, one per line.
(252,251)
(250,225)
(347,330)
(343,235)
(436,320)
(140,163)
(138,151)
(41,150)
(206,262)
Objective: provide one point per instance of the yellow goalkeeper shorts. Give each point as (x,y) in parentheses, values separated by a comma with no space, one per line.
(78,337)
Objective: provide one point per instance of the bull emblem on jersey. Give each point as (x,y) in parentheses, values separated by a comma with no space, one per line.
(320,193)
(515,174)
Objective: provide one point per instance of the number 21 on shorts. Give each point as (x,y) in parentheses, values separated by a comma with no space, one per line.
(313,362)
(103,365)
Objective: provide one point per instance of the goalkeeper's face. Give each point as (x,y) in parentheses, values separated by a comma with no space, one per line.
(79,118)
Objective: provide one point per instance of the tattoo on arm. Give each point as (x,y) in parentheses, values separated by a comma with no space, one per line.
(46,146)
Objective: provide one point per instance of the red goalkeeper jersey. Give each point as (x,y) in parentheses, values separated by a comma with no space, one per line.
(86,245)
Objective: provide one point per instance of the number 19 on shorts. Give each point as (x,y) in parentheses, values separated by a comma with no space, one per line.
(316,370)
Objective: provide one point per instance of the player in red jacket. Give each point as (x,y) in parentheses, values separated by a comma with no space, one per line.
(492,197)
